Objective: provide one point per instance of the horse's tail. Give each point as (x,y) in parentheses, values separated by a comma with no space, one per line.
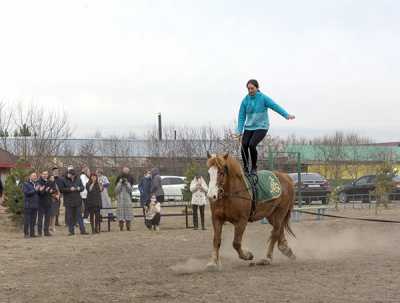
(286,220)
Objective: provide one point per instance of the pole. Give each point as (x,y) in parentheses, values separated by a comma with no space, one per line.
(270,159)
(159,127)
(299,197)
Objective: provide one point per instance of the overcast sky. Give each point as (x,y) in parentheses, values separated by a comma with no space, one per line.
(112,65)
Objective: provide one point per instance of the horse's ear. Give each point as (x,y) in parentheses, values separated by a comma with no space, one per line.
(226,155)
(208,155)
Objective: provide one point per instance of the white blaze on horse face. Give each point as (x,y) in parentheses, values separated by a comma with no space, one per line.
(213,188)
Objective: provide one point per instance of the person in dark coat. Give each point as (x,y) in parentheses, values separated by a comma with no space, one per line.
(93,202)
(144,189)
(58,198)
(60,185)
(31,204)
(1,190)
(46,191)
(156,186)
(71,188)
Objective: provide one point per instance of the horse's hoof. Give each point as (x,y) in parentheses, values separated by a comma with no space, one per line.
(249,256)
(213,267)
(292,257)
(264,262)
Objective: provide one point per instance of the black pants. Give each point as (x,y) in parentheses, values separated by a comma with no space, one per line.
(195,215)
(94,214)
(153,222)
(44,214)
(75,216)
(250,140)
(30,215)
(66,216)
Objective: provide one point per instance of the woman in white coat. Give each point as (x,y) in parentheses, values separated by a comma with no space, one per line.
(199,189)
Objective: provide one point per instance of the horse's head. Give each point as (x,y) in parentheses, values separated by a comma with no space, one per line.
(219,172)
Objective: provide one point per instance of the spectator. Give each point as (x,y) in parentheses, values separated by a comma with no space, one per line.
(71,188)
(55,205)
(1,192)
(105,198)
(199,189)
(93,202)
(153,214)
(144,189)
(66,215)
(46,190)
(123,190)
(31,204)
(156,187)
(85,179)
(57,198)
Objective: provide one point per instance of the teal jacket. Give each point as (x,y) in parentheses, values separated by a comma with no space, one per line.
(253,113)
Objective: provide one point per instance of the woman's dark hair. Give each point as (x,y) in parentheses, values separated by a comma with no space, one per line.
(253,82)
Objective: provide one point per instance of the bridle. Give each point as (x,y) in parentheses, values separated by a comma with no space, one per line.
(223,173)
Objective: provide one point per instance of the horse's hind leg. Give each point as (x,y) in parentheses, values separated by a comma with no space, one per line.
(237,241)
(284,247)
(275,233)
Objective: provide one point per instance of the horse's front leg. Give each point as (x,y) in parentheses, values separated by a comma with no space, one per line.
(237,241)
(215,262)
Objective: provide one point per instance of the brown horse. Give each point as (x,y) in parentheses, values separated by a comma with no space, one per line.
(230,201)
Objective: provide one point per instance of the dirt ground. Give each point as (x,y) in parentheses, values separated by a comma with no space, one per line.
(338,261)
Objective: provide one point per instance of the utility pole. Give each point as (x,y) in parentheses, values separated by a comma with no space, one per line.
(159,127)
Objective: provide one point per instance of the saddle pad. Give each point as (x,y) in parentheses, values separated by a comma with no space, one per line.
(268,186)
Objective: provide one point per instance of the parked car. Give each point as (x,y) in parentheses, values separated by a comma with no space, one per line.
(172,186)
(314,187)
(360,189)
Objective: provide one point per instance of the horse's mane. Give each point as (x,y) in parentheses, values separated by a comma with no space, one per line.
(234,167)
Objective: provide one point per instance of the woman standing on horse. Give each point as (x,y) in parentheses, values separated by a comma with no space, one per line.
(253,122)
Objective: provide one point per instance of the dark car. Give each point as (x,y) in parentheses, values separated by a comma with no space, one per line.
(314,187)
(360,189)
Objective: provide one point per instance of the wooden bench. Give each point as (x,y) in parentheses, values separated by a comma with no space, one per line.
(179,204)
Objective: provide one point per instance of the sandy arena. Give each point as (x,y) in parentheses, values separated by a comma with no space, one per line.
(337,261)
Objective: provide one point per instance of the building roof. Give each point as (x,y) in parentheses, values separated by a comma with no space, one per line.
(395,144)
(360,153)
(7,160)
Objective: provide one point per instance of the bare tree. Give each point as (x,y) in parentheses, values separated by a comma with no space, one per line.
(354,145)
(6,114)
(44,132)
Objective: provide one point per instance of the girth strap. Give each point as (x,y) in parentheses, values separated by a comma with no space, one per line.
(253,180)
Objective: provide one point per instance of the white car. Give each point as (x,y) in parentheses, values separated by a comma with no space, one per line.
(172,186)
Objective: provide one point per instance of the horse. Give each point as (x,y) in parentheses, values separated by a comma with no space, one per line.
(230,201)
